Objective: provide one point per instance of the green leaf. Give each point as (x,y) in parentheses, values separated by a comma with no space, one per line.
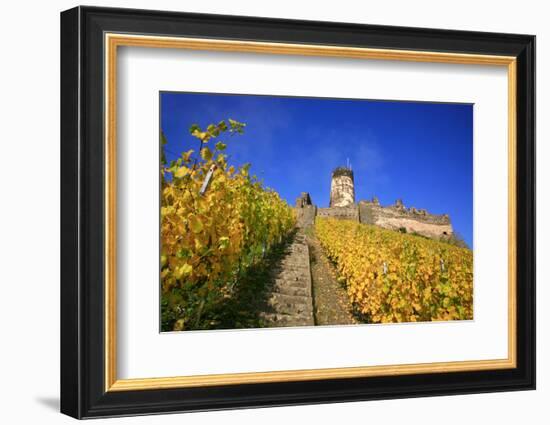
(183,253)
(213,130)
(236,126)
(221,146)
(222,126)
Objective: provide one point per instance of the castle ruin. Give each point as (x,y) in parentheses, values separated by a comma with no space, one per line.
(395,217)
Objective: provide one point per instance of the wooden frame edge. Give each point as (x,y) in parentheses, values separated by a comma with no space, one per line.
(110,213)
(114,40)
(512,212)
(306,375)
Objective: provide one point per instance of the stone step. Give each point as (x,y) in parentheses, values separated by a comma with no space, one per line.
(297,269)
(297,247)
(290,304)
(298,242)
(292,288)
(294,279)
(293,291)
(293,261)
(292,258)
(284,320)
(292,276)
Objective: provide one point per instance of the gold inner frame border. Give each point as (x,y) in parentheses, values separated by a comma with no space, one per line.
(113,40)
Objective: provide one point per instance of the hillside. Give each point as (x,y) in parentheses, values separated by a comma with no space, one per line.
(395,277)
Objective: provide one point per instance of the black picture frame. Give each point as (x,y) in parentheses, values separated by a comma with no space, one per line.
(83,392)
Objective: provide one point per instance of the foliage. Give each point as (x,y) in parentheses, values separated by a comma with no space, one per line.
(213,232)
(456,239)
(396,277)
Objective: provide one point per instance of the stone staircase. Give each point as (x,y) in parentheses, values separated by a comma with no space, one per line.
(289,300)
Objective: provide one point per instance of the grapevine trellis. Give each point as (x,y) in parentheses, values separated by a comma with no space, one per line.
(216,221)
(392,277)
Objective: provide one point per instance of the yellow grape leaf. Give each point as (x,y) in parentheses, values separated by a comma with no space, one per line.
(187,155)
(184,270)
(202,135)
(181,172)
(224,242)
(206,154)
(195,224)
(179,325)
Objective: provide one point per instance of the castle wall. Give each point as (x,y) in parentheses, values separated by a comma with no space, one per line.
(343,213)
(305,215)
(303,200)
(413,221)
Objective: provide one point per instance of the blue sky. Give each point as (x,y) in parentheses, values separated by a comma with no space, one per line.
(420,152)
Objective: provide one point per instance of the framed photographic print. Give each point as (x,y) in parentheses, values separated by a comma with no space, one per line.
(261,212)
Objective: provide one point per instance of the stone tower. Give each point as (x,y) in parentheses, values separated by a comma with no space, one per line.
(342,191)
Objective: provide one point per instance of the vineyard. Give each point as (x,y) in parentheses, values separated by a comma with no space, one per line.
(233,255)
(217,223)
(395,277)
